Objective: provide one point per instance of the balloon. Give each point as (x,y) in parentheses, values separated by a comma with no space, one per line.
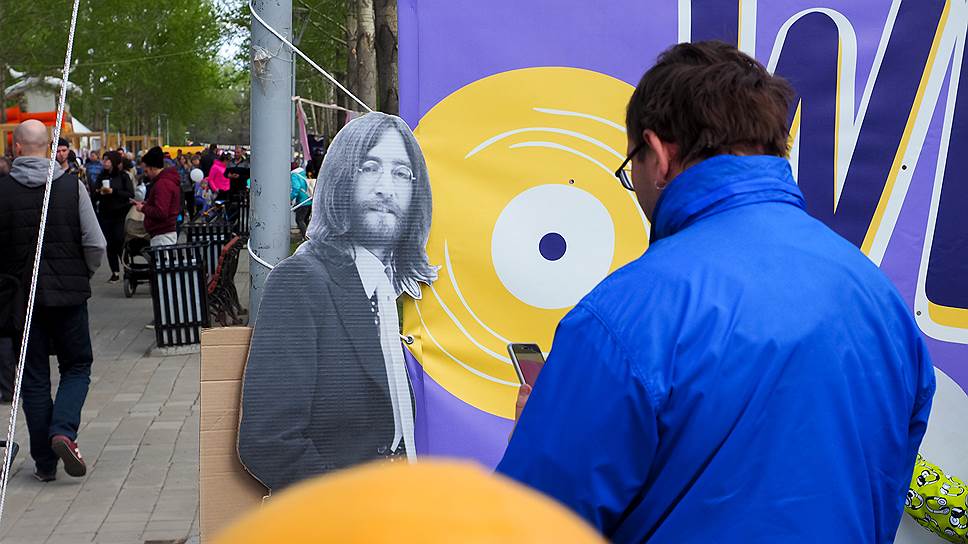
(197,175)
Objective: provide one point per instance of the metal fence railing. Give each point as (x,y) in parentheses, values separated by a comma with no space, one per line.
(240,221)
(179,294)
(213,236)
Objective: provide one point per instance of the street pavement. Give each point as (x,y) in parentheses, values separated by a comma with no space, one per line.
(138,435)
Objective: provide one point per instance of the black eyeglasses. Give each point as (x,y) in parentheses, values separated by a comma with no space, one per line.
(624,172)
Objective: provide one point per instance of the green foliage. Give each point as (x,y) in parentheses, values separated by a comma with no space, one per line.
(323,39)
(320,33)
(156,59)
(149,58)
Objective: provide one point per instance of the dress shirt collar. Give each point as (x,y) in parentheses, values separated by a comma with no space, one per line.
(370,269)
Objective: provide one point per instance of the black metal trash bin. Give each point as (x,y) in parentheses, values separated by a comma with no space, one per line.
(214,236)
(179,293)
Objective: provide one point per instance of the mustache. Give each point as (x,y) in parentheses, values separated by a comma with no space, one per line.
(381,205)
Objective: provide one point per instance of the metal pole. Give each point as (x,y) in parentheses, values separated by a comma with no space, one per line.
(271,140)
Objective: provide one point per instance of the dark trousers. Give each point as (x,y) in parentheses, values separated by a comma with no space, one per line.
(302,218)
(188,205)
(113,228)
(8,366)
(67,328)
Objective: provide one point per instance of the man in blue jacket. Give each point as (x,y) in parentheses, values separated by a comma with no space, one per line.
(753,377)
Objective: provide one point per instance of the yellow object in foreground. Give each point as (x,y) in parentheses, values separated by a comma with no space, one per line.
(938,501)
(428,502)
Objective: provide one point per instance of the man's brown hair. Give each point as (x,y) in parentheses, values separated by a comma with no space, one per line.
(710,98)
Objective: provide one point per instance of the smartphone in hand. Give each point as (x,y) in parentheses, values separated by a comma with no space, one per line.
(528,361)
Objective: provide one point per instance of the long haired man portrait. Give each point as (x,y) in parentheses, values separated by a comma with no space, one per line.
(326,385)
(346,206)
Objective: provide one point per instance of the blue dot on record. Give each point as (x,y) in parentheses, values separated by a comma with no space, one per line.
(552,246)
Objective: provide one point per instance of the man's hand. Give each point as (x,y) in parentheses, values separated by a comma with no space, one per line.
(138,204)
(524,392)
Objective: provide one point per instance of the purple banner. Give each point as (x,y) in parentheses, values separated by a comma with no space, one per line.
(880,128)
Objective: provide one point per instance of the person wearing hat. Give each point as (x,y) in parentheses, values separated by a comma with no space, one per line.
(163,205)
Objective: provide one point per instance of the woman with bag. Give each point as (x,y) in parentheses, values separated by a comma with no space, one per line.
(114,190)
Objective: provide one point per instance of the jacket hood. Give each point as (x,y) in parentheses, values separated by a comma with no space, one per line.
(32,171)
(721,183)
(169,174)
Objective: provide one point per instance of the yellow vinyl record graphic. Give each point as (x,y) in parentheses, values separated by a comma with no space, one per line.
(528,217)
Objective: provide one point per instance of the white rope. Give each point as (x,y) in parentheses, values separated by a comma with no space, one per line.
(258,259)
(36,270)
(300,204)
(321,105)
(255,15)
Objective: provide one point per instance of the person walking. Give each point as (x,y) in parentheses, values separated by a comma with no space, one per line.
(93,167)
(187,186)
(63,154)
(163,204)
(301,198)
(114,191)
(72,252)
(208,159)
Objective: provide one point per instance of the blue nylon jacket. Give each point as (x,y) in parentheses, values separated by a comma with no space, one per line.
(753,377)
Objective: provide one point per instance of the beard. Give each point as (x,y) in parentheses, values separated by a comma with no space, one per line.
(377,223)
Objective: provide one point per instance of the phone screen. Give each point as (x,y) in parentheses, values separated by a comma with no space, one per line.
(528,361)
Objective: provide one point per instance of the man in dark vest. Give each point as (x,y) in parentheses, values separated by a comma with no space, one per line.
(73,249)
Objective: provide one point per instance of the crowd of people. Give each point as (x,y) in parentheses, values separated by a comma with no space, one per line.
(120,181)
(99,201)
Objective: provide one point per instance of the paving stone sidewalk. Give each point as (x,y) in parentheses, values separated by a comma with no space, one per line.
(139,436)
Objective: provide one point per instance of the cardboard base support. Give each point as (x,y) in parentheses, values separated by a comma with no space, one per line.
(226,490)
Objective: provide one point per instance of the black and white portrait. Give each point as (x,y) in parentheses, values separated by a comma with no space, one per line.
(326,384)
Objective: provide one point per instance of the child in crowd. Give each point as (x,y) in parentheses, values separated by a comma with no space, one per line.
(204,196)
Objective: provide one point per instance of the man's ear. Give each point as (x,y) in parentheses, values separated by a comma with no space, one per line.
(666,155)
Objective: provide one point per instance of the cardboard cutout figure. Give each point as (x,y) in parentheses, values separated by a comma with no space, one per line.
(325,385)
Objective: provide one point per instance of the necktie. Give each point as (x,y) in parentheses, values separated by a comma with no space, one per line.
(396,368)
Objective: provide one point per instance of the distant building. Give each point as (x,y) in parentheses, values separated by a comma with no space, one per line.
(38,94)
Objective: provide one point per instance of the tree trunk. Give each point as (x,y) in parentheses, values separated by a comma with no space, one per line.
(3,95)
(366,52)
(352,61)
(386,56)
(329,116)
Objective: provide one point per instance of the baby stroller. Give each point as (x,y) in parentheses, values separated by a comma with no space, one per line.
(135,260)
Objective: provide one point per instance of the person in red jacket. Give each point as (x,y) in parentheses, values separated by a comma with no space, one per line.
(163,205)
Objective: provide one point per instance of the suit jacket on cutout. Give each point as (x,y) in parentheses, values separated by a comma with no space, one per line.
(315,396)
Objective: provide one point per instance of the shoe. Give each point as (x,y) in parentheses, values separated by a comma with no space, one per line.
(66,449)
(45,477)
(114,278)
(150,326)
(13,452)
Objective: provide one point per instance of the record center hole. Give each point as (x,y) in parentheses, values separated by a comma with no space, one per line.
(552,246)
